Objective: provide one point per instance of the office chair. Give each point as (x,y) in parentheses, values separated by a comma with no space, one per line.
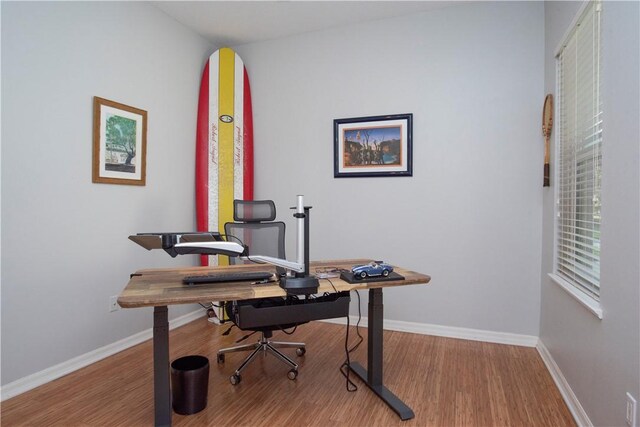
(255,227)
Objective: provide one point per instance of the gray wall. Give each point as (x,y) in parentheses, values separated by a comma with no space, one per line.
(474,215)
(64,238)
(472,75)
(601,358)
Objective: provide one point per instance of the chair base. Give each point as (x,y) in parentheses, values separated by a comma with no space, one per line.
(267,346)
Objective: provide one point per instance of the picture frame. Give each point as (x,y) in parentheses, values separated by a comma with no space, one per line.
(119,143)
(374,146)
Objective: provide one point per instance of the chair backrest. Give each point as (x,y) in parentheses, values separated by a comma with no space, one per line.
(254,227)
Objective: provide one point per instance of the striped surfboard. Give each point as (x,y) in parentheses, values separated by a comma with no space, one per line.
(224,143)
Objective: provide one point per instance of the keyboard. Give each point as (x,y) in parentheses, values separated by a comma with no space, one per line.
(246,276)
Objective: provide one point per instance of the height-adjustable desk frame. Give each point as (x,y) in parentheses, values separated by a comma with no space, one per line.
(160,288)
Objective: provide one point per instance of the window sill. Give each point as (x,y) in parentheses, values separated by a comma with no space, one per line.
(589,303)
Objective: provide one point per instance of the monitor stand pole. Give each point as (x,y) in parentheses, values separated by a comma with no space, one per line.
(302,283)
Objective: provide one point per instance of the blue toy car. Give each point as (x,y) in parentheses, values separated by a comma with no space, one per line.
(373,269)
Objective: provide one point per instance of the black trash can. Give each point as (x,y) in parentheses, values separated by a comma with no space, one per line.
(189,384)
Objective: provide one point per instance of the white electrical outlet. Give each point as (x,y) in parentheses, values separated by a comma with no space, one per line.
(113,303)
(631,410)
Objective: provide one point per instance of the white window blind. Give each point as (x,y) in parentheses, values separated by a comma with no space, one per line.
(579,154)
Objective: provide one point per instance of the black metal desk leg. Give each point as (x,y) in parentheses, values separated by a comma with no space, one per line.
(161,387)
(373,377)
(374,335)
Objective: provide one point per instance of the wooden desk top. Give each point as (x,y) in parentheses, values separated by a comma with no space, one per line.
(163,286)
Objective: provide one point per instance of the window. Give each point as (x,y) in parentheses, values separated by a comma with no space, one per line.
(579,155)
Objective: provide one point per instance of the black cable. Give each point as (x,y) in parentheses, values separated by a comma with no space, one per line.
(245,337)
(331,283)
(243,245)
(358,322)
(345,367)
(210,305)
(248,257)
(232,236)
(289,333)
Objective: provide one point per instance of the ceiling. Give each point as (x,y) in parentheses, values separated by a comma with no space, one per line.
(232,23)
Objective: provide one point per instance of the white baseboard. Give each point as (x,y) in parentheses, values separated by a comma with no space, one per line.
(39,378)
(448,331)
(577,411)
(579,415)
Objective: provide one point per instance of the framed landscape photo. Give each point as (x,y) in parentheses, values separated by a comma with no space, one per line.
(119,143)
(373,146)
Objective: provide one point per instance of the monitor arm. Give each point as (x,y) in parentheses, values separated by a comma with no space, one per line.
(210,248)
(234,249)
(289,265)
(301,283)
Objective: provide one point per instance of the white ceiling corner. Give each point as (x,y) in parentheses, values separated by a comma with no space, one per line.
(233,23)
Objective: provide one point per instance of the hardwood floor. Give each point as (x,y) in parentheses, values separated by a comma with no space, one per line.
(447,382)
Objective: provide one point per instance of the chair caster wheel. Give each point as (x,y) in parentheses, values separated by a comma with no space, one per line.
(235,379)
(301,351)
(292,374)
(220,359)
